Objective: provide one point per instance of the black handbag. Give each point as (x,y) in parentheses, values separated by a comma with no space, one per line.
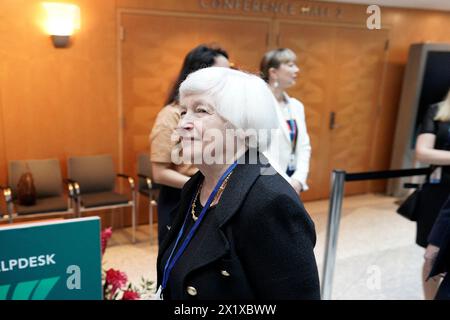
(26,191)
(408,208)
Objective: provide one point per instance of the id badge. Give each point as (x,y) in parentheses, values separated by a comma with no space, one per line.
(291,165)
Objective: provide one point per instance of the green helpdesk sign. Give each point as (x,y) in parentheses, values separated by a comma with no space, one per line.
(51,261)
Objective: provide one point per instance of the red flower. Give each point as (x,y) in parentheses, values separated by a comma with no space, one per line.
(115,278)
(130,295)
(106,234)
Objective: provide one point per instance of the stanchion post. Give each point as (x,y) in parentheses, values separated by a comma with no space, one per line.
(334,218)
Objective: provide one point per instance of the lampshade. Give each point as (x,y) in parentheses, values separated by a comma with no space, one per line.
(61,21)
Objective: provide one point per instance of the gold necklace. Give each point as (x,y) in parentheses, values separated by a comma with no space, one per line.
(219,192)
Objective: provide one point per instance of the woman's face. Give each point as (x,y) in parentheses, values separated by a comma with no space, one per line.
(285,74)
(202,130)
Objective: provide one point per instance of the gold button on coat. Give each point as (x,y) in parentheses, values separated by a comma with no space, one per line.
(225,273)
(191,291)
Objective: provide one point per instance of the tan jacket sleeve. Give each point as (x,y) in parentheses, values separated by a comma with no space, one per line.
(163,137)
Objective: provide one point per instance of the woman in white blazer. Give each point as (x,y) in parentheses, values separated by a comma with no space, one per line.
(290,150)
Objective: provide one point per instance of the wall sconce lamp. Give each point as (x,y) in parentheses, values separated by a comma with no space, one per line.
(61,22)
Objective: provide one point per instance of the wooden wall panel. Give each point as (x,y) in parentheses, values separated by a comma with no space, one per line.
(358,68)
(341,71)
(59,102)
(2,130)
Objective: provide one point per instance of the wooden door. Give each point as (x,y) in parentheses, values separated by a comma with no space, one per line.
(340,76)
(152,52)
(359,60)
(313,45)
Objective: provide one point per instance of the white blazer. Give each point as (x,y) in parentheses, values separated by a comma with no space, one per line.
(279,152)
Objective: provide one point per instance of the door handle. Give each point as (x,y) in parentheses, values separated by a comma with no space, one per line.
(333,124)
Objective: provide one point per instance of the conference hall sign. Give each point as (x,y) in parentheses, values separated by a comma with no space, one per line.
(280,8)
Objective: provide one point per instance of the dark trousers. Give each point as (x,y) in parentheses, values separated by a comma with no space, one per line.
(432,198)
(167,202)
(444,289)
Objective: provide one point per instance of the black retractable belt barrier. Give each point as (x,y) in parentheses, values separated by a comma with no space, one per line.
(338,179)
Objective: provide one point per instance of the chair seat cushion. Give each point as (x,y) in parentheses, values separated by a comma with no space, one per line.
(98,199)
(43,205)
(145,192)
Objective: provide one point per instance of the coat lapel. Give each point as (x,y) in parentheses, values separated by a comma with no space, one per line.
(187,193)
(216,244)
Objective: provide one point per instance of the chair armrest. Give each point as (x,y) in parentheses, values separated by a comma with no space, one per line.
(147,180)
(74,185)
(70,188)
(129,179)
(411,185)
(7,193)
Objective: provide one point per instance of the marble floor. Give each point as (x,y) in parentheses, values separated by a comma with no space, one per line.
(377,257)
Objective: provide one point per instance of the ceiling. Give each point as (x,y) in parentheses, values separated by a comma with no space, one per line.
(419,4)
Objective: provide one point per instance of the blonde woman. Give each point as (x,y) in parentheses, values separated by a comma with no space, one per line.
(291,152)
(433,147)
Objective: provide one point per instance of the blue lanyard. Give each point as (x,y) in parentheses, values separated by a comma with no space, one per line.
(293,134)
(171,262)
(292,129)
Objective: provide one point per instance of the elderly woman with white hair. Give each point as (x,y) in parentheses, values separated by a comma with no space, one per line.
(241,231)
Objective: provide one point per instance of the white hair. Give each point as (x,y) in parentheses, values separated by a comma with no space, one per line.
(241,98)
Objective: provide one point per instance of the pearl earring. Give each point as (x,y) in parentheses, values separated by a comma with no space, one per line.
(276,84)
